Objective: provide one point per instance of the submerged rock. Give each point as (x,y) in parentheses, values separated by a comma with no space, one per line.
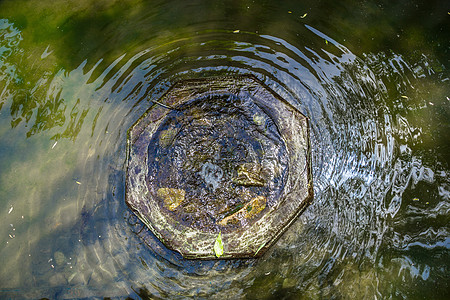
(231,157)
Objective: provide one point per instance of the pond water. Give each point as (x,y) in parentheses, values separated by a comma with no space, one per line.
(371,77)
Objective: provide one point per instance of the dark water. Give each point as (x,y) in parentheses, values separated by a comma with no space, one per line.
(372,78)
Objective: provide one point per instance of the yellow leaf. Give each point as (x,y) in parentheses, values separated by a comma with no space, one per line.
(304,16)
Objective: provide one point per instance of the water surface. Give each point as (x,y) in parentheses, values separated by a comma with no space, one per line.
(372,78)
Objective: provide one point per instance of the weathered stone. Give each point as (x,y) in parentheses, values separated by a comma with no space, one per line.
(219,155)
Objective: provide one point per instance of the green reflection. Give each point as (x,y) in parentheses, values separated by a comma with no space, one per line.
(42,39)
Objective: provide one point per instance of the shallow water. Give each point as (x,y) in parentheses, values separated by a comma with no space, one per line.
(373,81)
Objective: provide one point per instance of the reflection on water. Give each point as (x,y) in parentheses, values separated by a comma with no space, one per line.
(378,225)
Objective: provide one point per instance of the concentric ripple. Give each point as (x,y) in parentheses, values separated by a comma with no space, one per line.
(354,237)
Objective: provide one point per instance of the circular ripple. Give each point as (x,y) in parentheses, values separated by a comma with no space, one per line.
(351,169)
(362,162)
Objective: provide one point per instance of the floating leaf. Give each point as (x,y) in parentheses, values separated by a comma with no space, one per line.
(236,31)
(326,42)
(404,97)
(304,16)
(260,247)
(218,246)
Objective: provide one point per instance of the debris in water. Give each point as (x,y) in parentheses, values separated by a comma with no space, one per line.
(167,136)
(60,258)
(46,52)
(248,174)
(218,246)
(249,211)
(10,210)
(71,277)
(172,197)
(304,16)
(260,247)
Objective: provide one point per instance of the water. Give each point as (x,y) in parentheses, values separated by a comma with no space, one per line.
(372,79)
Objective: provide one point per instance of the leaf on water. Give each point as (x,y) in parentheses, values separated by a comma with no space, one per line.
(289,12)
(260,247)
(415,199)
(304,16)
(404,97)
(218,245)
(326,42)
(236,31)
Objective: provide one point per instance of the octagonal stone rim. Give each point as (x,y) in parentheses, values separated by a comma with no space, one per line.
(138,128)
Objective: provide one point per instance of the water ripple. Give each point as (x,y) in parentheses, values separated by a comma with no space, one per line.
(364,161)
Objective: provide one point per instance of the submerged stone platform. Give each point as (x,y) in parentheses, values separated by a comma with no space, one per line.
(219,155)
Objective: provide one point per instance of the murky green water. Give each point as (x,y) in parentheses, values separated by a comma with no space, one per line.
(372,77)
